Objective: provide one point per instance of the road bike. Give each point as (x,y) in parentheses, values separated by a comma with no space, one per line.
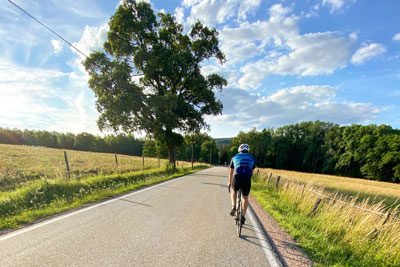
(239,211)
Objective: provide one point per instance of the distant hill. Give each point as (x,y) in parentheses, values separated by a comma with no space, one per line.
(223,141)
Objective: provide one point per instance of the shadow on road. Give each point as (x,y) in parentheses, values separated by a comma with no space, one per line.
(170,187)
(250,238)
(221,185)
(126,200)
(200,174)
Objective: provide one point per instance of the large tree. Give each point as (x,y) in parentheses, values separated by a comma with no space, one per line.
(172,95)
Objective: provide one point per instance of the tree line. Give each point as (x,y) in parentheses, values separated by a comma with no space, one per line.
(371,151)
(204,147)
(120,144)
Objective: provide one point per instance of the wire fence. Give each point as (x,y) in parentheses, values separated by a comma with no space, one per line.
(278,180)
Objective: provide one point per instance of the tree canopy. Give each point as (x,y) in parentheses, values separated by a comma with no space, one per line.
(172,95)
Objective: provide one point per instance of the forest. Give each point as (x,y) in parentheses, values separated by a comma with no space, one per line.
(371,151)
(363,151)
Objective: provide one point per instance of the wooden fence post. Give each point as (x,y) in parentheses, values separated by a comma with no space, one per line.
(116,161)
(143,162)
(269,178)
(66,164)
(159,161)
(375,231)
(277,181)
(315,207)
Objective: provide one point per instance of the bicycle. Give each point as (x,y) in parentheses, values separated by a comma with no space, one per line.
(239,211)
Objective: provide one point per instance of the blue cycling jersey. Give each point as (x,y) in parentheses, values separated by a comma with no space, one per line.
(243,163)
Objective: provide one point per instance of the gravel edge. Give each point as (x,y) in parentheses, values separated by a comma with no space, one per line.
(286,248)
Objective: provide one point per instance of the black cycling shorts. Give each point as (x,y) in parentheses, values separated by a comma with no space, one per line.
(242,181)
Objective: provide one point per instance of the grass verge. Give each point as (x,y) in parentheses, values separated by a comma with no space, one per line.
(362,189)
(337,234)
(47,197)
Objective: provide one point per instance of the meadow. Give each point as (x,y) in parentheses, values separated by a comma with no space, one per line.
(23,164)
(360,189)
(343,230)
(34,183)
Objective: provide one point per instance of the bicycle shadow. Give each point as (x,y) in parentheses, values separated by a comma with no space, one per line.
(250,238)
(220,185)
(201,174)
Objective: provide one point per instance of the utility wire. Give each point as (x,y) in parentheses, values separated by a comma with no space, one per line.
(59,36)
(38,21)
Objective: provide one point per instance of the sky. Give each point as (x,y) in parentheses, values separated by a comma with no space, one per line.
(287,61)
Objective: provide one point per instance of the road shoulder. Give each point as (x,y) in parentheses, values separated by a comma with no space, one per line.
(290,254)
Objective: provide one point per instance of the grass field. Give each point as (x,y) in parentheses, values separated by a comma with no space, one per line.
(363,189)
(339,233)
(34,185)
(24,164)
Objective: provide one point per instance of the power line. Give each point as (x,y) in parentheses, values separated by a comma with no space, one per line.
(59,36)
(38,21)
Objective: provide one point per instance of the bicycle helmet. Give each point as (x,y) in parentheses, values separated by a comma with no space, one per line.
(244,148)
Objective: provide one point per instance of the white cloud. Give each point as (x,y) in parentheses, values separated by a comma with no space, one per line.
(82,8)
(247,6)
(278,12)
(295,54)
(311,54)
(334,4)
(215,12)
(180,15)
(92,39)
(243,111)
(396,37)
(367,52)
(302,95)
(251,39)
(57,45)
(38,98)
(189,3)
(230,75)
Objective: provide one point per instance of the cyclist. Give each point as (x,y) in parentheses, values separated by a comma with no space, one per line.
(241,169)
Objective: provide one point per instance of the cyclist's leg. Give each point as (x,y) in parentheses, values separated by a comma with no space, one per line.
(233,195)
(246,190)
(245,204)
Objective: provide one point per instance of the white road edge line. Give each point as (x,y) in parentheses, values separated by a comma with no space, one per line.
(264,244)
(35,226)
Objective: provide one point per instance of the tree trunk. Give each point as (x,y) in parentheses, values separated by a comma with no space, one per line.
(171,153)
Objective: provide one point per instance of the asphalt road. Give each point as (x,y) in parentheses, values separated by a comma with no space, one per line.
(183,222)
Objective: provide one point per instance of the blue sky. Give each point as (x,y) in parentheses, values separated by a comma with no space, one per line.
(288,61)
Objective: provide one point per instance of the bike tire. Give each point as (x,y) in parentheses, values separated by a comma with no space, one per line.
(239,214)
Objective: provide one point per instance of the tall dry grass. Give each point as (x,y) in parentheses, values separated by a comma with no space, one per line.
(360,233)
(374,191)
